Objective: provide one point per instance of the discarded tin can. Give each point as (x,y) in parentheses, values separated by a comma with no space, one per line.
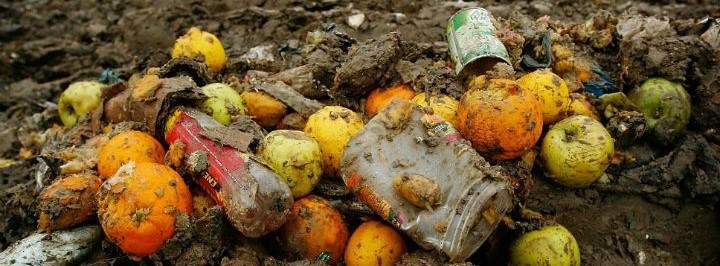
(255,199)
(456,200)
(473,46)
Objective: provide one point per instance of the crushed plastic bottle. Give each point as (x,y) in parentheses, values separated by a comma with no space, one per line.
(255,199)
(417,172)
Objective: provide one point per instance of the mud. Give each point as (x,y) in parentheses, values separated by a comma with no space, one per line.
(658,206)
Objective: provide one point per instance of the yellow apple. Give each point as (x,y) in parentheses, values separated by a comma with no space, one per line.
(576,151)
(551,245)
(223,102)
(78,100)
(332,127)
(295,156)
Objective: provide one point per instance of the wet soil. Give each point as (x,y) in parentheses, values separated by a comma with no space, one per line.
(659,206)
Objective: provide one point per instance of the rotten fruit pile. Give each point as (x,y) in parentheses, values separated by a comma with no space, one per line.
(336,151)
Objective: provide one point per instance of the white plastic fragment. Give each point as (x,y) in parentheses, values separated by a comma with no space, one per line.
(64,247)
(354,21)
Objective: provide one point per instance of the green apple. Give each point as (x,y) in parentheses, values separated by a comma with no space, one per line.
(78,100)
(295,156)
(550,245)
(576,151)
(665,105)
(223,102)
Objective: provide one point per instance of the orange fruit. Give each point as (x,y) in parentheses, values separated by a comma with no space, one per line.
(314,229)
(374,243)
(499,119)
(68,202)
(379,98)
(128,146)
(265,110)
(138,206)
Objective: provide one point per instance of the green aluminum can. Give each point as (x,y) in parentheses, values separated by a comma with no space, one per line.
(472,43)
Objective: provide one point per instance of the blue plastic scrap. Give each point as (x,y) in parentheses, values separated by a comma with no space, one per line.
(108,76)
(529,62)
(600,85)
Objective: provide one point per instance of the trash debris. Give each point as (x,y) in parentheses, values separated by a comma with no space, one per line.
(597,31)
(149,101)
(303,80)
(181,66)
(368,66)
(289,97)
(469,185)
(262,58)
(626,127)
(712,37)
(219,99)
(529,62)
(63,247)
(255,199)
(599,85)
(108,76)
(650,47)
(356,20)
(473,46)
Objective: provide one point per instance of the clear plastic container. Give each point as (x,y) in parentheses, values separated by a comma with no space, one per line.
(403,140)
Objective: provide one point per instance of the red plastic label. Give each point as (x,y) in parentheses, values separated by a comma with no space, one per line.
(224,161)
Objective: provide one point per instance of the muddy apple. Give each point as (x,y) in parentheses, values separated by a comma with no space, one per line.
(223,102)
(78,100)
(576,151)
(665,104)
(550,245)
(295,156)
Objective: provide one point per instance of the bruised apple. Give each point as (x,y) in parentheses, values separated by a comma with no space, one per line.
(665,104)
(78,100)
(223,102)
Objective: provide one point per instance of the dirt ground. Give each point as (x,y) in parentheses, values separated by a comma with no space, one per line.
(661,208)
